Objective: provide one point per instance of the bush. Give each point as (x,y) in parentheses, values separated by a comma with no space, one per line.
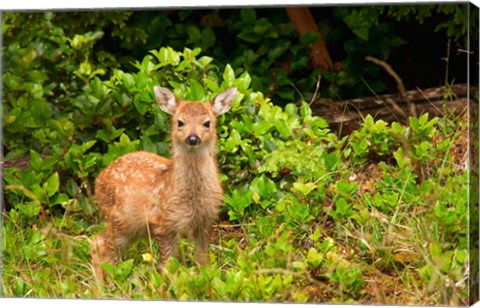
(307,216)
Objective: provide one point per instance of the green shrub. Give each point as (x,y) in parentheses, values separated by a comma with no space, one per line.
(303,220)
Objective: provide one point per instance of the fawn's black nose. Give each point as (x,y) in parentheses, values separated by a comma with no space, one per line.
(193,140)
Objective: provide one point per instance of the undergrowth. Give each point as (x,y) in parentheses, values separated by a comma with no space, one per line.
(379,216)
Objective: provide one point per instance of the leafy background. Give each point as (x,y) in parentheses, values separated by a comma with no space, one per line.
(379,216)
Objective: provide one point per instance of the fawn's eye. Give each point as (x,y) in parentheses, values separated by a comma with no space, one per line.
(206,124)
(180,123)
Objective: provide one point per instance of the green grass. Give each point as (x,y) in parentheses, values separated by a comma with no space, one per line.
(377,217)
(373,232)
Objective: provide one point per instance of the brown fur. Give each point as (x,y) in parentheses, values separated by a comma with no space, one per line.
(142,194)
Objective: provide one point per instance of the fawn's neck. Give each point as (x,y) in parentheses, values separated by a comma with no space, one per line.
(195,169)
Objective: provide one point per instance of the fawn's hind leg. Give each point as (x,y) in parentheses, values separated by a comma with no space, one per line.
(107,246)
(98,253)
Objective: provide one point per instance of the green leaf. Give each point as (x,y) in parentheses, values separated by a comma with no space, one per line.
(327,245)
(299,265)
(461,256)
(361,32)
(342,206)
(229,76)
(314,258)
(346,188)
(172,265)
(89,161)
(140,105)
(310,37)
(219,287)
(59,199)
(361,20)
(196,91)
(233,141)
(36,161)
(279,49)
(435,250)
(208,40)
(291,109)
(282,128)
(124,139)
(261,127)
(166,56)
(305,110)
(303,188)
(264,28)
(52,184)
(316,235)
(87,145)
(332,160)
(238,201)
(204,61)
(250,37)
(108,268)
(41,111)
(248,16)
(263,186)
(30,209)
(212,84)
(194,34)
(243,82)
(401,158)
(123,270)
(391,199)
(300,212)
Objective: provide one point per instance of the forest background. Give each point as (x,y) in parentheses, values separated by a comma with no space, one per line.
(378,215)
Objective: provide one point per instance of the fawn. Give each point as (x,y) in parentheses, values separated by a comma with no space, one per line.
(142,194)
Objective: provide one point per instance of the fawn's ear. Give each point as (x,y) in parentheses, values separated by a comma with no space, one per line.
(223,101)
(165,99)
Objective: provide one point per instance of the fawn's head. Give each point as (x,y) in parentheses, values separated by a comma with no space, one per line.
(194,123)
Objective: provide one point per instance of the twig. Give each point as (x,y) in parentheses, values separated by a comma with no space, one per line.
(428,100)
(388,102)
(400,85)
(378,292)
(396,107)
(317,87)
(277,271)
(233,226)
(446,59)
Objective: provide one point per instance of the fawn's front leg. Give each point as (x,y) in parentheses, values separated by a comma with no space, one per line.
(167,244)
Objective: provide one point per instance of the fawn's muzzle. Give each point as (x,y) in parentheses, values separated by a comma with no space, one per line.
(193,140)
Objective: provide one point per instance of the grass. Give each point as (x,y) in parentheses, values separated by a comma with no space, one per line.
(375,233)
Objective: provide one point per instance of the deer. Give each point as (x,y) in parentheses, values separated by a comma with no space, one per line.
(144,195)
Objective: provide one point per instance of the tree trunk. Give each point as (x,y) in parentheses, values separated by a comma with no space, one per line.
(303,20)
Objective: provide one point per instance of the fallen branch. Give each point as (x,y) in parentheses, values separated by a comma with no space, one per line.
(400,85)
(348,114)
